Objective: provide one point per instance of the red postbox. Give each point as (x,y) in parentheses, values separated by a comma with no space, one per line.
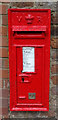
(29,59)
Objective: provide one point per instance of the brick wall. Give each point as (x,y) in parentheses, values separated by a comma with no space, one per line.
(4,67)
(3,61)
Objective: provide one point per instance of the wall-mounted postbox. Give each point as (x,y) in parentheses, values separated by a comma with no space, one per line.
(29,59)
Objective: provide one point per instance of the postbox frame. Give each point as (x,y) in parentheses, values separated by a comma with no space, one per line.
(12,50)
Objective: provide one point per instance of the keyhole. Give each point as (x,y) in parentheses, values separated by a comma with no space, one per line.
(22,79)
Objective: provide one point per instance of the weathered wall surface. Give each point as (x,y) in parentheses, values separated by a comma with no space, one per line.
(4,65)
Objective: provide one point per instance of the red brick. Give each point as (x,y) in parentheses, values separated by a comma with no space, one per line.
(53,55)
(54,79)
(3,41)
(3,73)
(0,73)
(3,52)
(0,41)
(4,93)
(3,102)
(4,63)
(54,18)
(3,30)
(4,19)
(54,43)
(54,68)
(3,9)
(54,39)
(0,63)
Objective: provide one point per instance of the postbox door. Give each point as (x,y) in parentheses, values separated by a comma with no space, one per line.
(30,71)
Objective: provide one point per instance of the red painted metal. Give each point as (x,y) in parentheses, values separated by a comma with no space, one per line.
(29,28)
